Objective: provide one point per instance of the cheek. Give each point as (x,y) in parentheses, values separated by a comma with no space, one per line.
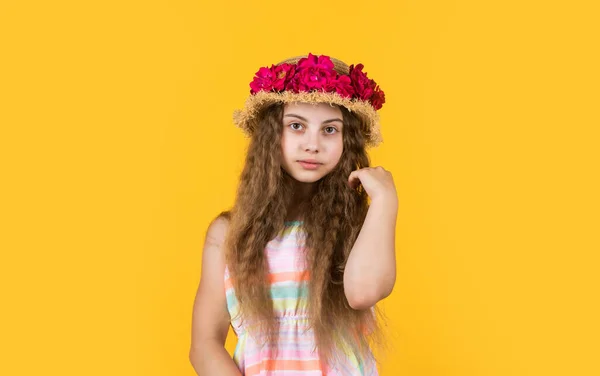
(337,149)
(285,148)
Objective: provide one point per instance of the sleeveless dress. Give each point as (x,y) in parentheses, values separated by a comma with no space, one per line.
(289,291)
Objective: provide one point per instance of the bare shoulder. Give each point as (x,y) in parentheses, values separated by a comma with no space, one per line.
(217,231)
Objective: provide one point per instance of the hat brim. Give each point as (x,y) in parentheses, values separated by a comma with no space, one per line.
(256,102)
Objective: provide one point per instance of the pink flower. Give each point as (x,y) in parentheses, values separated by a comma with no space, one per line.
(362,84)
(283,74)
(313,73)
(263,80)
(342,85)
(293,84)
(273,78)
(322,63)
(315,78)
(318,73)
(311,78)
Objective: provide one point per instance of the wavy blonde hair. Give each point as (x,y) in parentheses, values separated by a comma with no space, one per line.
(333,217)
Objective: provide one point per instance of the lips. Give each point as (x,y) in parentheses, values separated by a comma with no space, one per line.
(313,161)
(309,164)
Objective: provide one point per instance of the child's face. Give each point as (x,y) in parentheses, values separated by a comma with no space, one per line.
(311,133)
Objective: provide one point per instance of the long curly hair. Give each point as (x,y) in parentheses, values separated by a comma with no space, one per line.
(332,219)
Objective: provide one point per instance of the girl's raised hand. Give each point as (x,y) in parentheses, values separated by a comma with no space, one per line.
(377,182)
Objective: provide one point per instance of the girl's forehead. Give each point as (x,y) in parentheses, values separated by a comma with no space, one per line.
(311,108)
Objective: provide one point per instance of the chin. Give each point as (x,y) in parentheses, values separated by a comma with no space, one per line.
(309,177)
(306,176)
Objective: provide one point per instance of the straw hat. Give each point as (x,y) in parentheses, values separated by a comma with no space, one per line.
(315,79)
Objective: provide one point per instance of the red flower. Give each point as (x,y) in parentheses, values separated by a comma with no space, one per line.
(378,98)
(362,84)
(318,73)
(315,78)
(310,78)
(263,80)
(342,85)
(322,63)
(273,78)
(293,84)
(313,73)
(283,74)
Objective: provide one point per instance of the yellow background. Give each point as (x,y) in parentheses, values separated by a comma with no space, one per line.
(118,148)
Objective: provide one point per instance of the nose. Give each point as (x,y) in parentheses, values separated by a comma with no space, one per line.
(311,142)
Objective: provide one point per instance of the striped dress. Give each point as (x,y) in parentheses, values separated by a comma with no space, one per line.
(289,287)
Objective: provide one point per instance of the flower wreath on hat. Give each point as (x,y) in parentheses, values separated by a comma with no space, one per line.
(315,79)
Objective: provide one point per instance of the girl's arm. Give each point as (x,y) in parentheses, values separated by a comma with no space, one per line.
(370,272)
(210,322)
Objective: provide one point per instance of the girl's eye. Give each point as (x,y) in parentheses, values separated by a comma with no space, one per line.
(296,129)
(332,130)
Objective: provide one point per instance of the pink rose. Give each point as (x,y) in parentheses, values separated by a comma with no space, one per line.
(312,73)
(321,62)
(342,85)
(318,73)
(293,84)
(263,80)
(283,74)
(273,78)
(363,86)
(316,78)
(311,78)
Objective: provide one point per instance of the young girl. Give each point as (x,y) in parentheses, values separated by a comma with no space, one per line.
(298,264)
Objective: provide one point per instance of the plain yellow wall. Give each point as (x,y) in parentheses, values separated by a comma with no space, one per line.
(118,149)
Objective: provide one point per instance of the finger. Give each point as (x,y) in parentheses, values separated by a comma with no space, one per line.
(354,179)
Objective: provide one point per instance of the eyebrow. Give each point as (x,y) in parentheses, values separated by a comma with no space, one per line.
(325,122)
